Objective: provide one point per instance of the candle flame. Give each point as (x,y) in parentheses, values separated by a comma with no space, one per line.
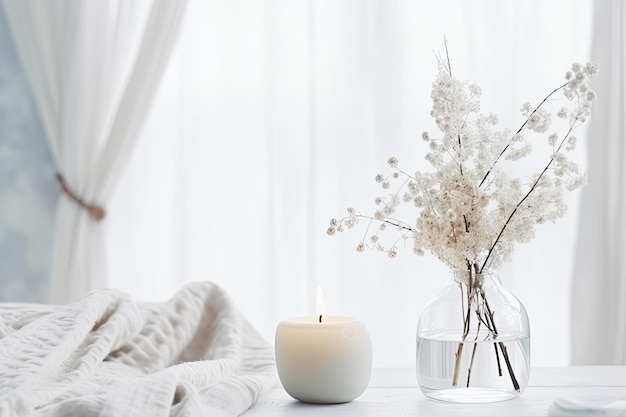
(320,304)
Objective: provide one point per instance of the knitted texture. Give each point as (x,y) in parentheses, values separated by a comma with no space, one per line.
(105,355)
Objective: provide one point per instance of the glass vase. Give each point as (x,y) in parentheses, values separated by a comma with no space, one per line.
(473,342)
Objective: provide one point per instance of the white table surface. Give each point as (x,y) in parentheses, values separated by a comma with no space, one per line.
(394,392)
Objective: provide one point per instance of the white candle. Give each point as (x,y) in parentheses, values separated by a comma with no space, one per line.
(323,359)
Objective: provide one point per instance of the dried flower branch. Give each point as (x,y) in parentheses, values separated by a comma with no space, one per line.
(469,210)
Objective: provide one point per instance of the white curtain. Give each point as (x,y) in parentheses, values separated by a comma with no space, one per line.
(599,292)
(94,68)
(275,116)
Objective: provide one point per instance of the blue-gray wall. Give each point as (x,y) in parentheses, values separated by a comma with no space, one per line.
(28,191)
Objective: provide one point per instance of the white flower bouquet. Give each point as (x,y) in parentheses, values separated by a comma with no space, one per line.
(469,210)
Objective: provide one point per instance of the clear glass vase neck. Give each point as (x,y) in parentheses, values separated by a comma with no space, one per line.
(472,278)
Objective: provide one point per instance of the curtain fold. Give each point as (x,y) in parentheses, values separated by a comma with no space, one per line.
(94,68)
(599,288)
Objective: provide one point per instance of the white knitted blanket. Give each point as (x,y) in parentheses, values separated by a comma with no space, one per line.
(105,355)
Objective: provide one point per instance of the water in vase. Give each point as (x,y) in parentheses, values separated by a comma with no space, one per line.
(487,369)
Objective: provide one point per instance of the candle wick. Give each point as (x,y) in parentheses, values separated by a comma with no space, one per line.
(320,318)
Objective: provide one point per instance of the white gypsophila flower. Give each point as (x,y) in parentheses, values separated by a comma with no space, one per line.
(539,121)
(571,143)
(552,139)
(519,152)
(526,109)
(469,210)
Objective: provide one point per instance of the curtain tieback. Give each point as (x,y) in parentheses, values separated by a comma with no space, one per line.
(95,211)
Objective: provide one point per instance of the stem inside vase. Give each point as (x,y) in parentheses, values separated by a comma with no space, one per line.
(475,304)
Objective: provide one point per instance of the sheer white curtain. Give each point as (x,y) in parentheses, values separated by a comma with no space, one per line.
(94,67)
(599,296)
(274,116)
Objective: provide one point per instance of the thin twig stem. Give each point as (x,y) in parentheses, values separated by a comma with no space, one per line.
(445,43)
(466,327)
(392,222)
(471,364)
(508,366)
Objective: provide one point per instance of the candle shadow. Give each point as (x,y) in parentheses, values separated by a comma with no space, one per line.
(297,404)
